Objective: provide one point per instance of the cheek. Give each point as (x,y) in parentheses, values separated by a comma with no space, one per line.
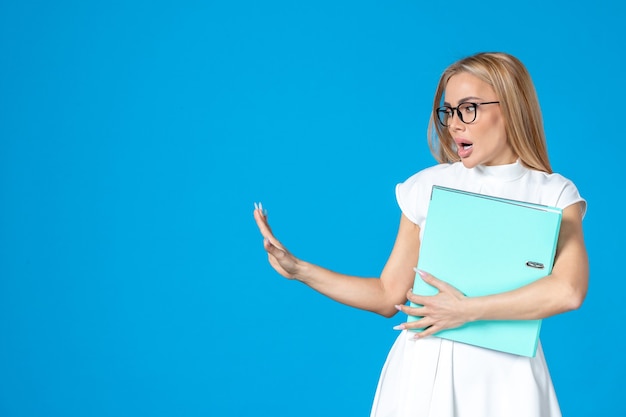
(496,129)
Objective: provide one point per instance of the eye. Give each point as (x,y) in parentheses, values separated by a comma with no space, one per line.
(468,108)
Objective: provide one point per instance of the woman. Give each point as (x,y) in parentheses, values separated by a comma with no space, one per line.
(487,136)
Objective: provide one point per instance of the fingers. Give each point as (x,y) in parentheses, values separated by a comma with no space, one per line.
(421,300)
(419,312)
(427,332)
(273,249)
(440,285)
(259,207)
(433,312)
(279,257)
(431,280)
(260,216)
(423,326)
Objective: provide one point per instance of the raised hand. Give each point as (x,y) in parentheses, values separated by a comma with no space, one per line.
(279,257)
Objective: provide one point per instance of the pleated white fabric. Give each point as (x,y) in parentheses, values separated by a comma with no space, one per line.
(434,377)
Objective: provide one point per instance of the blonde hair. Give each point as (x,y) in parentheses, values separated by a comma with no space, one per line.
(518,102)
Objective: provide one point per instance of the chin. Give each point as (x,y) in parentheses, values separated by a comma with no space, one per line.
(468,163)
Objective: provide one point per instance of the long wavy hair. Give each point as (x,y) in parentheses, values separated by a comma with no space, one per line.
(518,102)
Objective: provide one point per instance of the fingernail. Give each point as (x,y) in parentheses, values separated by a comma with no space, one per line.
(422,273)
(399,327)
(256,206)
(398,307)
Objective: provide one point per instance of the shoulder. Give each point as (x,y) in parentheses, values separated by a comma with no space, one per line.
(561,190)
(554,182)
(554,179)
(423,179)
(413,194)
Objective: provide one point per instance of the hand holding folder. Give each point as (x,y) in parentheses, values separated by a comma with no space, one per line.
(485,245)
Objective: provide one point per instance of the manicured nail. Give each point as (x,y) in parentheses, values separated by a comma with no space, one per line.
(399,327)
(419,271)
(256,206)
(398,307)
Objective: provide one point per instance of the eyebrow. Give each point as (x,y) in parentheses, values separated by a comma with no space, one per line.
(463,100)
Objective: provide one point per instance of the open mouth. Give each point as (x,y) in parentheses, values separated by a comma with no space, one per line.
(464,148)
(462,144)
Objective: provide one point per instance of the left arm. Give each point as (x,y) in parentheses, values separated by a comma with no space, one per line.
(563,290)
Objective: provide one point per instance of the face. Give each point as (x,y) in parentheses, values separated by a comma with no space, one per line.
(483,141)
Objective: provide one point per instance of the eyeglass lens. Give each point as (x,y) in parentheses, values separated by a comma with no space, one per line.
(465,111)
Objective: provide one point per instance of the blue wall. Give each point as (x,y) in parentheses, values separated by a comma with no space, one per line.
(135,137)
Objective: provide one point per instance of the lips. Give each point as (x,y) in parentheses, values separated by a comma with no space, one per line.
(464,147)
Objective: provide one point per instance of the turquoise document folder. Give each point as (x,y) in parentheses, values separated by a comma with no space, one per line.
(485,245)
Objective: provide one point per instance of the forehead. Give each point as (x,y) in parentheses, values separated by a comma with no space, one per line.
(464,86)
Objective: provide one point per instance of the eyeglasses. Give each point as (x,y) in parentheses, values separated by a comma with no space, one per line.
(466,111)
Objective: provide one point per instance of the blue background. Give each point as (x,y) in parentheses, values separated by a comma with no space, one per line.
(136,135)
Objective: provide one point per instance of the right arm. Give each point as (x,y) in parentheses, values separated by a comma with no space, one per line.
(379,295)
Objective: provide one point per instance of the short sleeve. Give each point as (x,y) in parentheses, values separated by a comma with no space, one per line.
(413,196)
(570,195)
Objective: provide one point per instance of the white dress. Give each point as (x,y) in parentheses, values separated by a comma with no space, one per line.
(434,377)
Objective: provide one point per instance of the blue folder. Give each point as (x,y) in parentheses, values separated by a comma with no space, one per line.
(484,245)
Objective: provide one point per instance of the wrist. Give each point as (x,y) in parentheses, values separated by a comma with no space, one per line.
(302,271)
(473,309)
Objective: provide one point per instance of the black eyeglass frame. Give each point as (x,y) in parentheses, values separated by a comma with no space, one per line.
(445,109)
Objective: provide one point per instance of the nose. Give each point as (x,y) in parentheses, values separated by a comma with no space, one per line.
(455,123)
